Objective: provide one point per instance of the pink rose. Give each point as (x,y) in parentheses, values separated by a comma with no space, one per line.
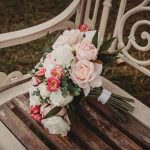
(36,81)
(86,50)
(84,28)
(53,84)
(86,74)
(41,71)
(57,72)
(70,37)
(35,113)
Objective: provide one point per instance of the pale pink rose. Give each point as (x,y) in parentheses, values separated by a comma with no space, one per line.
(84,28)
(53,84)
(41,71)
(70,37)
(57,72)
(36,81)
(86,50)
(86,74)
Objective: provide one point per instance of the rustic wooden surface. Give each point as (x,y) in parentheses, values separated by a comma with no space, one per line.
(95,130)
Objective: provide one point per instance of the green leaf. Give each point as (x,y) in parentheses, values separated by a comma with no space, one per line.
(47,47)
(53,112)
(95,39)
(106,44)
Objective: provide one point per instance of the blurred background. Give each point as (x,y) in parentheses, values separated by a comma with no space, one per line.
(20,14)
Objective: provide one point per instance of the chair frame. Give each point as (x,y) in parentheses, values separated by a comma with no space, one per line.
(16,83)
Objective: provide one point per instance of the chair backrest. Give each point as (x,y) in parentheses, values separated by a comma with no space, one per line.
(87,11)
(118,30)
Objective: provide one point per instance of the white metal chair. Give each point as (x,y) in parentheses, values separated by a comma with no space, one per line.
(15,83)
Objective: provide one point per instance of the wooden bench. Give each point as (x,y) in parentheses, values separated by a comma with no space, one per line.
(96,128)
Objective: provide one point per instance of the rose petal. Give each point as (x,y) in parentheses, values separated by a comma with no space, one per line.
(97,82)
(86,91)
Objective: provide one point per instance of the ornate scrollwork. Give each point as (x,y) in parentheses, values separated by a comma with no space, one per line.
(139,64)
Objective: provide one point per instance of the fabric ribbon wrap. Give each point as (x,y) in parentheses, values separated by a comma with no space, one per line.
(104,97)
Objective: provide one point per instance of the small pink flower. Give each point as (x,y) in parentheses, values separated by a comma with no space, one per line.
(86,50)
(53,84)
(35,113)
(84,28)
(34,109)
(37,117)
(41,71)
(57,72)
(36,81)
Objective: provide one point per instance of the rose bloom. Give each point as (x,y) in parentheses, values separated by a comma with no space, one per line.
(41,71)
(56,125)
(70,37)
(84,28)
(63,55)
(57,72)
(58,99)
(86,74)
(53,84)
(86,50)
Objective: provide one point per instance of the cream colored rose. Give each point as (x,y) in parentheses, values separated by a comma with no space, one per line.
(86,74)
(58,100)
(43,88)
(33,98)
(70,37)
(63,55)
(56,125)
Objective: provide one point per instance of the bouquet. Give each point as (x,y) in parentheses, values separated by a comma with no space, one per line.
(70,71)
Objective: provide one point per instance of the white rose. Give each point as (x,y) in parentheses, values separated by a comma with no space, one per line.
(63,55)
(43,90)
(70,37)
(56,125)
(89,35)
(58,100)
(33,98)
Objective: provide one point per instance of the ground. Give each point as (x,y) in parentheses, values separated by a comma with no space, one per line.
(19,14)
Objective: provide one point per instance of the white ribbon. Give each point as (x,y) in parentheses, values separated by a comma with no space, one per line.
(104,97)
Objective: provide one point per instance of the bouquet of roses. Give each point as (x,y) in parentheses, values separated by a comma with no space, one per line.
(71,70)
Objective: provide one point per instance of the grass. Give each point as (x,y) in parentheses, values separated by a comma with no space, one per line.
(19,14)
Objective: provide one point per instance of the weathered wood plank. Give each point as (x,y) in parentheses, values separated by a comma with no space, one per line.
(131,127)
(106,128)
(20,130)
(62,143)
(88,138)
(7,139)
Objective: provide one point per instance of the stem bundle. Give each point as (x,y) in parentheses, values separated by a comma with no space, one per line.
(119,105)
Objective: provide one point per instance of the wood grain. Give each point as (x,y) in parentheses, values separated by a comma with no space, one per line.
(62,143)
(20,130)
(132,127)
(106,128)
